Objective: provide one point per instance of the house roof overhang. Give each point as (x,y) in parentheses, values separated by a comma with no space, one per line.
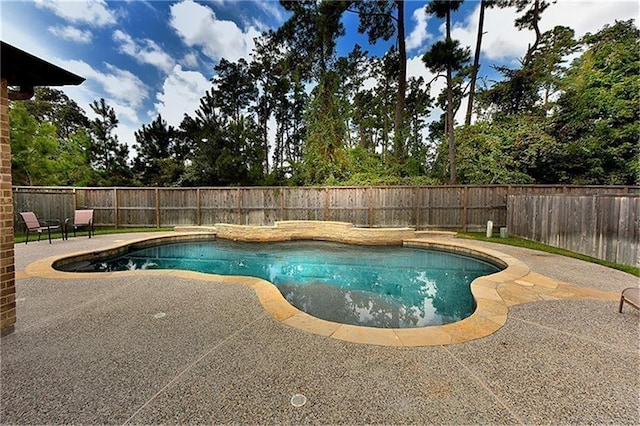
(23,69)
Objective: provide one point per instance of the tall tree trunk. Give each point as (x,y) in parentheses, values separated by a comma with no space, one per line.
(476,65)
(449,116)
(264,124)
(402,86)
(536,28)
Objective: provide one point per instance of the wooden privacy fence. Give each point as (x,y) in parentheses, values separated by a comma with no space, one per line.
(602,226)
(424,207)
(47,203)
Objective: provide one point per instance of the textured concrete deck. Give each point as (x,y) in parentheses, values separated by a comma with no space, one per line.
(159,348)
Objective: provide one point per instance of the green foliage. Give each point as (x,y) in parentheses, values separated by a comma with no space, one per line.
(34,148)
(446,54)
(590,134)
(516,152)
(367,168)
(527,90)
(108,156)
(442,8)
(75,167)
(54,106)
(222,151)
(356,120)
(159,160)
(311,33)
(324,155)
(234,87)
(598,115)
(49,141)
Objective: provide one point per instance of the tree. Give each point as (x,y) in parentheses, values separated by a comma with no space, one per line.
(74,155)
(310,35)
(54,106)
(514,151)
(597,118)
(529,20)
(377,19)
(34,148)
(548,62)
(61,158)
(476,58)
(234,87)
(527,90)
(108,156)
(324,153)
(222,151)
(418,104)
(40,157)
(159,160)
(447,56)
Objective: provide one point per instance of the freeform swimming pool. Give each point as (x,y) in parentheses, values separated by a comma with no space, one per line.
(385,287)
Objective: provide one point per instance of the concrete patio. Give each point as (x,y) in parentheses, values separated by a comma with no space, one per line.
(152,349)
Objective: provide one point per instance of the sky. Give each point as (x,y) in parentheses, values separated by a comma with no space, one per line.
(150,57)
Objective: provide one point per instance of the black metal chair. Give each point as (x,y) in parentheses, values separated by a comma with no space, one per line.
(81,219)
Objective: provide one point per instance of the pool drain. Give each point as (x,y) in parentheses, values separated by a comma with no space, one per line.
(298,400)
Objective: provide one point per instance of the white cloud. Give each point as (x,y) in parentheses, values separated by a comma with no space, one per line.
(121,85)
(588,15)
(70,33)
(419,33)
(92,12)
(503,42)
(198,25)
(190,60)
(181,93)
(144,51)
(271,8)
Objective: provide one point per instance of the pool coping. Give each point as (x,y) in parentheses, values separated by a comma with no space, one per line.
(494,294)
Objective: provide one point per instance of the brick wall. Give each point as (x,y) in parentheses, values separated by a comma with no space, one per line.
(7,274)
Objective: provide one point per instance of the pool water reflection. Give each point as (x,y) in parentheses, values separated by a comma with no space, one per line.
(386,287)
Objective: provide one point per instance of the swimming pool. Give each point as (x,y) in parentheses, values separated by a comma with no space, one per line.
(381,286)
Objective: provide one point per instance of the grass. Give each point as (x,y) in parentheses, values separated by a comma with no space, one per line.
(21,237)
(521,242)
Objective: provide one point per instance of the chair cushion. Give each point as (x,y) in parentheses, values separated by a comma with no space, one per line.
(632,296)
(83,217)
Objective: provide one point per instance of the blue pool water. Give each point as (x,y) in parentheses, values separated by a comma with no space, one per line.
(387,287)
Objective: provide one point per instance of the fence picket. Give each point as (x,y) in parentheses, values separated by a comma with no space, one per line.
(599,221)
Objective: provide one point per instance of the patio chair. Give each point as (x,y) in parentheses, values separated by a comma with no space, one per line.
(631,296)
(81,219)
(34,225)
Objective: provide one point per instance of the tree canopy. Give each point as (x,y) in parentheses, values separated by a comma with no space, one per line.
(299,113)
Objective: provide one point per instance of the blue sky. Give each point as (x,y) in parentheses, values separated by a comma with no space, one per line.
(150,57)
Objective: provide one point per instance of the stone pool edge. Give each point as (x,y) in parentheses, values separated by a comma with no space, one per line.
(494,293)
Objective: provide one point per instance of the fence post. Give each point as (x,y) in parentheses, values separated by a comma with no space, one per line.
(281,192)
(115,207)
(464,209)
(157,208)
(199,208)
(239,206)
(370,202)
(598,237)
(326,204)
(416,206)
